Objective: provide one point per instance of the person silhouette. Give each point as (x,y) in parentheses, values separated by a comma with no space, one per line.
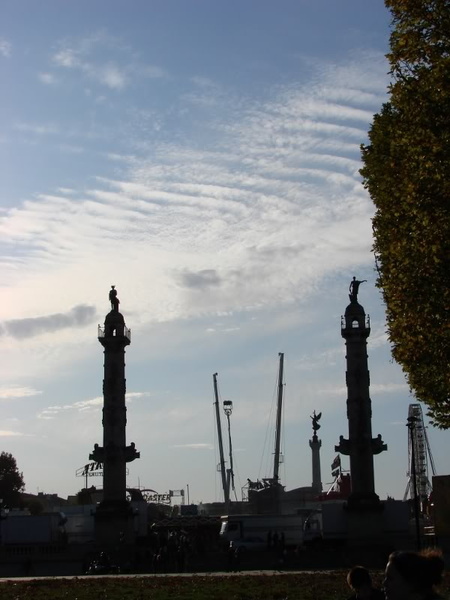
(413,575)
(113,298)
(353,289)
(360,581)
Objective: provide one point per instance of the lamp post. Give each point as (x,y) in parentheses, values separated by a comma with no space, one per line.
(228,409)
(411,424)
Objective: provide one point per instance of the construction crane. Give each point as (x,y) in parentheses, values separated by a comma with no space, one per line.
(419,456)
(226,474)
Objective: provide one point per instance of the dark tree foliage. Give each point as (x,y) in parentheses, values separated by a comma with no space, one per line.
(11,481)
(407,173)
(33,505)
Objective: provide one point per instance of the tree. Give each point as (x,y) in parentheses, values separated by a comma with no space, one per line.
(11,481)
(406,171)
(34,506)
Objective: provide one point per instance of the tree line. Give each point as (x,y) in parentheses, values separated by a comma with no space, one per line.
(406,171)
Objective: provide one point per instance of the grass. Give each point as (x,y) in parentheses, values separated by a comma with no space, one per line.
(197,587)
(319,585)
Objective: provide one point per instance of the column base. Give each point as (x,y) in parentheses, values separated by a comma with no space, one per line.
(114,523)
(365,519)
(363,502)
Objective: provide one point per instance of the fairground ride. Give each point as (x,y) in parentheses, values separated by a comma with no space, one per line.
(420,457)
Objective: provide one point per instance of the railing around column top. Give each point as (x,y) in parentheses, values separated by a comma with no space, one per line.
(126,332)
(355,321)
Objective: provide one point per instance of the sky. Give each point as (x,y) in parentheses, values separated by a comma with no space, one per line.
(203,157)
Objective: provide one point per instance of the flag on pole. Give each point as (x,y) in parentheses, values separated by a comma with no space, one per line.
(336,464)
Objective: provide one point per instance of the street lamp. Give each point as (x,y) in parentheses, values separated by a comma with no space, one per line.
(411,424)
(228,409)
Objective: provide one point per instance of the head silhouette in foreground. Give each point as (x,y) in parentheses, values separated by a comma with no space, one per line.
(360,581)
(413,575)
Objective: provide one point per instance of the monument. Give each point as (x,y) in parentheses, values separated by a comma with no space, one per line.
(315,445)
(360,446)
(114,517)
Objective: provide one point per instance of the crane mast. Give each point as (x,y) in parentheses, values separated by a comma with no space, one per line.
(225,485)
(276,462)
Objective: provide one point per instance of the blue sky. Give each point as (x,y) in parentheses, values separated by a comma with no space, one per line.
(202,156)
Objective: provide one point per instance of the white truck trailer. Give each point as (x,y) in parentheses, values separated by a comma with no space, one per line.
(259,531)
(32,529)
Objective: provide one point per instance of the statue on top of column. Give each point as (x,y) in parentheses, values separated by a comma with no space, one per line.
(114,299)
(353,289)
(315,421)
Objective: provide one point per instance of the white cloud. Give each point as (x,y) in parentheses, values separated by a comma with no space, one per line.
(5,48)
(134,395)
(195,446)
(252,220)
(47,78)
(84,56)
(66,58)
(71,149)
(6,433)
(375,389)
(379,338)
(87,404)
(153,72)
(389,388)
(333,390)
(7,393)
(83,406)
(111,76)
(37,129)
(67,191)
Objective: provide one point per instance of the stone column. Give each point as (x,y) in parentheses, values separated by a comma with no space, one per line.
(113,516)
(315,445)
(360,445)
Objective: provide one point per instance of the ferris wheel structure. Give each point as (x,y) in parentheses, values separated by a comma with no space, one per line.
(420,457)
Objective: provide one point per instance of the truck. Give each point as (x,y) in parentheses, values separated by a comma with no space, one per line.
(326,526)
(46,528)
(329,525)
(257,532)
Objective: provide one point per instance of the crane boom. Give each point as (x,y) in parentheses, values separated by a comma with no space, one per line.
(225,486)
(276,462)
